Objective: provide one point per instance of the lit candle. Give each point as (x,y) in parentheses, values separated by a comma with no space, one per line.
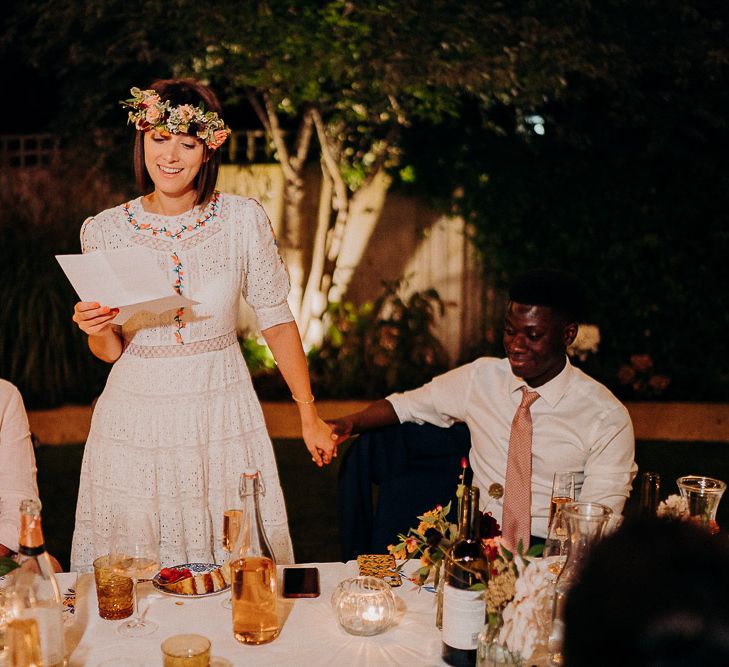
(372,613)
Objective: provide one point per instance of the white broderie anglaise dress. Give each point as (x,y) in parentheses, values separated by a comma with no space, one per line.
(178,420)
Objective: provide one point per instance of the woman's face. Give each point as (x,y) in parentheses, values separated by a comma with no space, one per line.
(173,161)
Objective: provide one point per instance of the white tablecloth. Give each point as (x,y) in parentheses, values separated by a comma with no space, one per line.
(310,635)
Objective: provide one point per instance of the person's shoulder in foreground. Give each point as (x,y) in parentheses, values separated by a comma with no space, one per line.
(18,472)
(653,593)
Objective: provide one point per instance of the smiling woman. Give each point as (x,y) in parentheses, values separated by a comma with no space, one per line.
(173,163)
(178,419)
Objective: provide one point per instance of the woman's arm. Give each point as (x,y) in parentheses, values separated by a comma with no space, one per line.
(95,321)
(285,344)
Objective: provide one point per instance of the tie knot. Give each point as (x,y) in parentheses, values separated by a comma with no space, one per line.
(528,397)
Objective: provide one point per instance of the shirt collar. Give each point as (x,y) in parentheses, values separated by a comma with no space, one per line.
(551,391)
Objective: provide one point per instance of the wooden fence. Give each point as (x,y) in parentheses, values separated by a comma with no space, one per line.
(26,151)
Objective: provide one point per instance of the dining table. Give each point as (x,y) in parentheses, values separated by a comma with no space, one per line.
(310,634)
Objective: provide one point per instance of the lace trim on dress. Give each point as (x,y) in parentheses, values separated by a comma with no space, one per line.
(189,349)
(160,238)
(147,228)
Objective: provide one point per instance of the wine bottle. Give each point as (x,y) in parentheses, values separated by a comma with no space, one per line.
(464,608)
(253,570)
(36,594)
(650,490)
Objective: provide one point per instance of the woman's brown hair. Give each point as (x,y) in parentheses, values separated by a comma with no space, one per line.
(183,91)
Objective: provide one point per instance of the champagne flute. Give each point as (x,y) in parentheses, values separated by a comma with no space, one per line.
(563,491)
(134,553)
(232,519)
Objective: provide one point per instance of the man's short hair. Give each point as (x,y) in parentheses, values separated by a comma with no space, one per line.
(563,292)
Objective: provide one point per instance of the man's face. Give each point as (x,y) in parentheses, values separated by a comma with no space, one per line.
(535,341)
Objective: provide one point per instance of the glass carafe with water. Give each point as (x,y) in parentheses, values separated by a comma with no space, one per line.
(585,525)
(702,495)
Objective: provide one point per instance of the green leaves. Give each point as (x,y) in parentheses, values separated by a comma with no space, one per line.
(7,565)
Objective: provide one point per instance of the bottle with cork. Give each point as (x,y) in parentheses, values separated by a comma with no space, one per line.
(35,595)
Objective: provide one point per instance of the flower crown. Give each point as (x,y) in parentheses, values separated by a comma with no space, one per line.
(149,112)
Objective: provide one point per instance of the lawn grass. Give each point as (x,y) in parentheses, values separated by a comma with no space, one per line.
(311,493)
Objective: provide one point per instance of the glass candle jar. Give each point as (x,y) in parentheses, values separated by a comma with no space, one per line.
(364,605)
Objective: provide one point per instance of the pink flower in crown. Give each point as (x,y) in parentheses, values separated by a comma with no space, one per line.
(149,101)
(152,115)
(218,139)
(186,112)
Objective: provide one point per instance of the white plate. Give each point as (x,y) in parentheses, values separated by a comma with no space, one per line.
(195,568)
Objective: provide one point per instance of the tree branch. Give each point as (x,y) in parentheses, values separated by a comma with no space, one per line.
(381,156)
(327,152)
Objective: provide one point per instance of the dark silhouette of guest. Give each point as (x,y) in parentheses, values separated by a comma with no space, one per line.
(654,593)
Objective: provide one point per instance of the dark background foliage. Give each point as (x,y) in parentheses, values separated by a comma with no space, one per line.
(628,187)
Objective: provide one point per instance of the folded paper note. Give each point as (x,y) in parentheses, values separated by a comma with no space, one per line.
(129,279)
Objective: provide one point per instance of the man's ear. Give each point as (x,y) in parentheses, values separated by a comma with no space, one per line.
(570,333)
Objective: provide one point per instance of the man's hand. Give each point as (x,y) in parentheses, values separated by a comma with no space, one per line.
(341,429)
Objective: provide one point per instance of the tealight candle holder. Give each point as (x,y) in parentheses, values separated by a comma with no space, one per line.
(364,605)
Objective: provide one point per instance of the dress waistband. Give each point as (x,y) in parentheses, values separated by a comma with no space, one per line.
(186,350)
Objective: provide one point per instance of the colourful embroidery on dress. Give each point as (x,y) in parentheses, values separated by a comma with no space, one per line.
(179,273)
(200,223)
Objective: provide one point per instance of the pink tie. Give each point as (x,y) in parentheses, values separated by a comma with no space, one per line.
(517,516)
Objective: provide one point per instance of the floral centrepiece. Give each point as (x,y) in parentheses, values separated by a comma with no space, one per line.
(673,507)
(434,536)
(676,507)
(519,604)
(149,112)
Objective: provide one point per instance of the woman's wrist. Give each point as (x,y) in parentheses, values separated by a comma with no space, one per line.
(307,413)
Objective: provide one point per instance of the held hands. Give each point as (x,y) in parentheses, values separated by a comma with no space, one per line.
(320,441)
(342,428)
(92,318)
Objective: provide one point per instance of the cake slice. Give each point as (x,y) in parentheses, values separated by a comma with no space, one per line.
(201,584)
(184,586)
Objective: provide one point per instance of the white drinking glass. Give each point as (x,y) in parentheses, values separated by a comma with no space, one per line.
(134,553)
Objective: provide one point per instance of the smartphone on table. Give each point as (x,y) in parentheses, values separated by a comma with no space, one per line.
(301,582)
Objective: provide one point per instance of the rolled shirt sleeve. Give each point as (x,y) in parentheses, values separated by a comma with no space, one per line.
(266,286)
(441,402)
(610,466)
(17,468)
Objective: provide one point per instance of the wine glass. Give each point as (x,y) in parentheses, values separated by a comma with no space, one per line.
(563,491)
(232,519)
(134,553)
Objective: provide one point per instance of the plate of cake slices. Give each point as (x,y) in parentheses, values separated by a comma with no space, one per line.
(193,579)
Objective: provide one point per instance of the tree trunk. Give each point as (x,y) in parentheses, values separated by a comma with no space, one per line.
(292,165)
(329,275)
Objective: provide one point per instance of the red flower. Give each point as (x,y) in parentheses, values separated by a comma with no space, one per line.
(489,526)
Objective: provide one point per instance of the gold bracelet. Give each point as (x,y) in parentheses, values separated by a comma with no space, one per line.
(298,400)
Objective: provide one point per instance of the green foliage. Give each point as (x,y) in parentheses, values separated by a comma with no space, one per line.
(380,347)
(41,350)
(628,188)
(7,565)
(257,355)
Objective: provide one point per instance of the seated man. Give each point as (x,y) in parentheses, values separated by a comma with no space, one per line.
(17,465)
(529,415)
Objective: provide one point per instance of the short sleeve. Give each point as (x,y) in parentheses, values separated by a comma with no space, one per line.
(266,285)
(92,237)
(441,402)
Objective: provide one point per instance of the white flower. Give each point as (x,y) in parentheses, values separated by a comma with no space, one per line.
(673,507)
(527,617)
(586,342)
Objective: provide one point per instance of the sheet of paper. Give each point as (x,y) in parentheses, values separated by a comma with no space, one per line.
(129,279)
